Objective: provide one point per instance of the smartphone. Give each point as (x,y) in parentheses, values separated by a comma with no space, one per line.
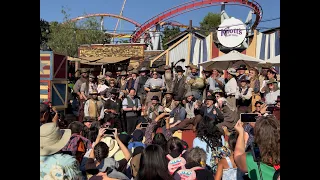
(248,117)
(255,152)
(144,125)
(109,131)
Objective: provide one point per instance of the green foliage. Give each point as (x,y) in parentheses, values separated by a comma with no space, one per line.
(168,34)
(66,37)
(44,31)
(209,23)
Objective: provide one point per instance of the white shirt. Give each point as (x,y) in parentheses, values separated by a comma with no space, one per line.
(271,97)
(102,87)
(239,95)
(231,87)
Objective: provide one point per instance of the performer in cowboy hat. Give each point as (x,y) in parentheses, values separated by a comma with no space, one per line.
(154,86)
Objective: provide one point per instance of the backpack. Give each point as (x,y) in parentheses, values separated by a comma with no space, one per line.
(188,174)
(135,164)
(176,163)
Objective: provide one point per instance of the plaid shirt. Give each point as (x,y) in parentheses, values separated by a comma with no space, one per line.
(72,145)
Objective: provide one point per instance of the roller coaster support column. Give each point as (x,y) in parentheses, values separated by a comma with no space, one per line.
(101,23)
(156,38)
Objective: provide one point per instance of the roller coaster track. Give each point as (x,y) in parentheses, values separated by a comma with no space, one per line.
(193,5)
(107,15)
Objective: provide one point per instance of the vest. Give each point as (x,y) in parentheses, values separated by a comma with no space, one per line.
(142,81)
(130,105)
(246,102)
(179,86)
(131,83)
(176,115)
(93,109)
(190,110)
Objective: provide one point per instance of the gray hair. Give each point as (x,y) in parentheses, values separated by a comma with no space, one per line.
(197,155)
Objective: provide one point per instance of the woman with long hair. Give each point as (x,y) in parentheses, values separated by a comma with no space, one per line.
(255,85)
(267,141)
(160,140)
(153,164)
(208,137)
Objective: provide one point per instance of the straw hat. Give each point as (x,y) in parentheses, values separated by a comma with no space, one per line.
(112,144)
(52,138)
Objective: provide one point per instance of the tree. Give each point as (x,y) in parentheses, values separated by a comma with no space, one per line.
(44,31)
(168,34)
(210,23)
(66,37)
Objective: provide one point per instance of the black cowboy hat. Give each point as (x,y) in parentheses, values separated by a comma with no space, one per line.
(211,98)
(242,67)
(155,98)
(179,69)
(244,80)
(143,69)
(168,92)
(177,98)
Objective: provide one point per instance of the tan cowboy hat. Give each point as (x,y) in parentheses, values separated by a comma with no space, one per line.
(52,138)
(135,71)
(83,70)
(123,73)
(94,92)
(194,67)
(101,77)
(232,71)
(112,144)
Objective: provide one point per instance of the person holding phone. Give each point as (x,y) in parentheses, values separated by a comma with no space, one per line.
(267,138)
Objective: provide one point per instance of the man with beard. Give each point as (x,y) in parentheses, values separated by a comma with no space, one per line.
(168,76)
(76,89)
(195,82)
(107,92)
(178,114)
(167,101)
(139,84)
(88,87)
(155,108)
(122,84)
(112,110)
(179,83)
(93,108)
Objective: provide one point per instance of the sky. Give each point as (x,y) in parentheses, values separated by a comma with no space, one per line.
(142,10)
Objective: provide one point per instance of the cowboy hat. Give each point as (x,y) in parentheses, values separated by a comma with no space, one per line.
(135,71)
(242,67)
(166,67)
(168,92)
(52,138)
(232,71)
(194,67)
(188,65)
(179,69)
(143,69)
(272,81)
(189,94)
(155,98)
(123,73)
(108,73)
(119,69)
(101,77)
(211,98)
(112,144)
(83,70)
(94,92)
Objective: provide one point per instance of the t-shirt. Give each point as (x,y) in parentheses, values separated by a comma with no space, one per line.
(253,171)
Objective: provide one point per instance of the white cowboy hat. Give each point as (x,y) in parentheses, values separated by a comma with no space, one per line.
(112,144)
(52,138)
(232,71)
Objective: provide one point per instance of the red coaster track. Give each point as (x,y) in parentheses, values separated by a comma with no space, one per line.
(192,5)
